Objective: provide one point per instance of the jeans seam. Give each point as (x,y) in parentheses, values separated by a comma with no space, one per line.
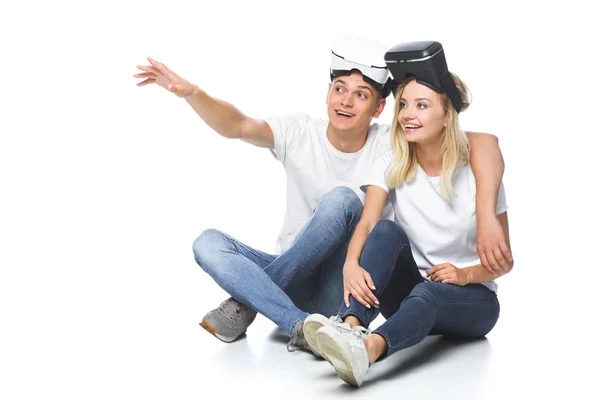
(389,344)
(269,280)
(346,222)
(348,235)
(311,298)
(393,267)
(430,323)
(247,248)
(291,274)
(277,288)
(468,301)
(434,317)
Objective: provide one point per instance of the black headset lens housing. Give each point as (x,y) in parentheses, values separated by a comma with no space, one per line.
(424,61)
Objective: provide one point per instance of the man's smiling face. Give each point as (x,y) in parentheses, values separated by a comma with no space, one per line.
(352,103)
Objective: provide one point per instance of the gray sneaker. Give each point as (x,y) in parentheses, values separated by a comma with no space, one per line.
(298,341)
(228,321)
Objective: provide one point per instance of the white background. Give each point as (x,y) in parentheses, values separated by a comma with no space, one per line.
(105,185)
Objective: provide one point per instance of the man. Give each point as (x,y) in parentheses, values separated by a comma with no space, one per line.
(325,163)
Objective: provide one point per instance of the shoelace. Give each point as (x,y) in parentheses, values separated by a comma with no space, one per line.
(229,308)
(298,341)
(358,334)
(339,324)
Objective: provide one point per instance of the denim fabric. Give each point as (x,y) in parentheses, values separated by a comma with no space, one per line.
(413,306)
(306,278)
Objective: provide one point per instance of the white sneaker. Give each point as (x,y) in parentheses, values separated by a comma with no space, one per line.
(314,322)
(346,351)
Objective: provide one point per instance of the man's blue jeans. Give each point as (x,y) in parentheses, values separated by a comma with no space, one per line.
(306,278)
(413,306)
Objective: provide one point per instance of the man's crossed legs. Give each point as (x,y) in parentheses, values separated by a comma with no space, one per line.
(306,278)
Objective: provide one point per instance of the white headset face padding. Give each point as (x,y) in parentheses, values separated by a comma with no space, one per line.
(365,55)
(378,74)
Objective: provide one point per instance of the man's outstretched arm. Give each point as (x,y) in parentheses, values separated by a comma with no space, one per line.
(221,116)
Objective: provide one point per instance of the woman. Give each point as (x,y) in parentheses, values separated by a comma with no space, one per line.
(434,283)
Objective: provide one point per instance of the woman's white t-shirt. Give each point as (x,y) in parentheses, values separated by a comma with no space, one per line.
(439,230)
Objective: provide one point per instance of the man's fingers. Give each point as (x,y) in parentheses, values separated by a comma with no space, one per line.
(145,75)
(506,252)
(150,69)
(156,64)
(347,297)
(162,68)
(492,261)
(484,260)
(146,82)
(500,258)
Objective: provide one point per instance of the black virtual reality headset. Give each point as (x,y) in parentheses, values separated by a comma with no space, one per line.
(426,62)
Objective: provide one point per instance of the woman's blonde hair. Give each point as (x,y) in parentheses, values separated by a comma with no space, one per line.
(455,144)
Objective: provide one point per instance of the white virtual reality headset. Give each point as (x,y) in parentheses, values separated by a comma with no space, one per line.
(365,55)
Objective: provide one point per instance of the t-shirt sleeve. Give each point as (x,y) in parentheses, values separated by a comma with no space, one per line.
(378,174)
(286,132)
(501,205)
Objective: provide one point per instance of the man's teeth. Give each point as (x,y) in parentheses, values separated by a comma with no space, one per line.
(344,114)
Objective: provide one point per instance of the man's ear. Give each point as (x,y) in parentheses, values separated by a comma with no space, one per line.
(327,97)
(379,108)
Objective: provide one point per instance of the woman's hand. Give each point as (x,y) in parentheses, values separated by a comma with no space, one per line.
(448,273)
(358,283)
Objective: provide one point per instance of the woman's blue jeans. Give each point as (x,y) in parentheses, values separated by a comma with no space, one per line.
(413,306)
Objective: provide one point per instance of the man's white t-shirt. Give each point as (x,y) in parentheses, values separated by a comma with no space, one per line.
(439,230)
(313,166)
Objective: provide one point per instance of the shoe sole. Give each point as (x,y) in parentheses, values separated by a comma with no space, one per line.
(310,334)
(211,329)
(334,352)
